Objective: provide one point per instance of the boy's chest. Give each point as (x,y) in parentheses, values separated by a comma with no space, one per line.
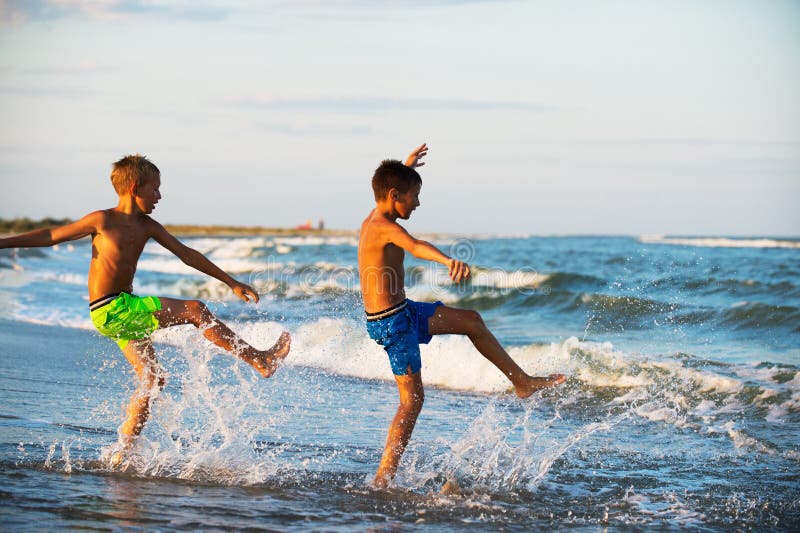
(123,239)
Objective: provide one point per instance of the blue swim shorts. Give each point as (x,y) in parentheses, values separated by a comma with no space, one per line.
(400,330)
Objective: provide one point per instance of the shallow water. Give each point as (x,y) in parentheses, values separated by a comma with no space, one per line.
(682,408)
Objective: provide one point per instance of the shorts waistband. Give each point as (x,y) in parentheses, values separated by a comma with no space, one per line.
(386,313)
(105,300)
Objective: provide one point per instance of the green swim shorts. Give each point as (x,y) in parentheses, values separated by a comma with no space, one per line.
(124,317)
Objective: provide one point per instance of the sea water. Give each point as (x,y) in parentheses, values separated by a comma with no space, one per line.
(682,407)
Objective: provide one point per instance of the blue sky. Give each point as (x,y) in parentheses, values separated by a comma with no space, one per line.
(543,117)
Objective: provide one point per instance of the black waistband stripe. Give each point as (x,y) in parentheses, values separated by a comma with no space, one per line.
(100,302)
(386,313)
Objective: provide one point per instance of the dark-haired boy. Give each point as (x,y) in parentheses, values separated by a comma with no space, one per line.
(118,238)
(399,324)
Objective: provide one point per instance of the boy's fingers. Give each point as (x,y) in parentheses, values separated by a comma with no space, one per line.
(251,294)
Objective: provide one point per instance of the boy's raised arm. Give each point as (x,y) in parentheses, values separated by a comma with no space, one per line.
(424,250)
(198,261)
(413,159)
(51,236)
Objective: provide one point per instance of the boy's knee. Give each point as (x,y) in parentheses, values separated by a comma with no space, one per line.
(198,312)
(474,322)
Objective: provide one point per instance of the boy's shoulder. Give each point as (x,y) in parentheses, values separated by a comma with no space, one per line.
(377,224)
(378,230)
(110,218)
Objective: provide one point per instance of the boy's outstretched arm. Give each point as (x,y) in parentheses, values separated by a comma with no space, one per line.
(457,270)
(51,236)
(198,261)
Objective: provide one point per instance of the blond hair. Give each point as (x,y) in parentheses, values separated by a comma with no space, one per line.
(132,170)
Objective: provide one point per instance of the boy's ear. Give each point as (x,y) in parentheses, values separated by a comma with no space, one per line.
(394,194)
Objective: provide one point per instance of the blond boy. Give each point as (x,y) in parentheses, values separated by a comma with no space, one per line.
(118,238)
(399,324)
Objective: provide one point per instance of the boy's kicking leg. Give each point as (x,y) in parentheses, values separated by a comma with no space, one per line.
(411,397)
(142,357)
(448,320)
(175,312)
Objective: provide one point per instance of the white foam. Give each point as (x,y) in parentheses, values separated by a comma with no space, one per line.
(52,317)
(719,242)
(220,247)
(314,240)
(12,279)
(501,279)
(62,277)
(176,266)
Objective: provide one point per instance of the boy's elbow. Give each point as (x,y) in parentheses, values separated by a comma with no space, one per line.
(188,256)
(47,238)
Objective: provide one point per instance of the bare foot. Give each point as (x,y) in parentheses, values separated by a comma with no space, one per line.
(267,362)
(115,461)
(118,460)
(538,383)
(450,488)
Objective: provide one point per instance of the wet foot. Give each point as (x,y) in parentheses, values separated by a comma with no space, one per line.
(118,462)
(538,383)
(450,488)
(115,460)
(268,361)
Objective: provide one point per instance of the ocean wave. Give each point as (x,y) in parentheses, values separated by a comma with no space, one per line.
(720,242)
(315,240)
(684,391)
(710,285)
(176,266)
(755,315)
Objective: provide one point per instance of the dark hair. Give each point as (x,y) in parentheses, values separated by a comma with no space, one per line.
(392,174)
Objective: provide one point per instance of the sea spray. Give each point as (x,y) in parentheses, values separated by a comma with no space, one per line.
(203,425)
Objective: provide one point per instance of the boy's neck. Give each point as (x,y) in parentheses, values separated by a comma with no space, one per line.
(127,205)
(386,209)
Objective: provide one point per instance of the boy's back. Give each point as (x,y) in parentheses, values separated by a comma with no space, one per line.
(380,263)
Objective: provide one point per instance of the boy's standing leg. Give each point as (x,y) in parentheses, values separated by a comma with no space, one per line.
(141,355)
(412,395)
(448,320)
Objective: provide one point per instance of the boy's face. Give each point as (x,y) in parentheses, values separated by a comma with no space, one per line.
(406,202)
(147,194)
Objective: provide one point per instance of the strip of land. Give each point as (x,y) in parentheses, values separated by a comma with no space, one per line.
(22,225)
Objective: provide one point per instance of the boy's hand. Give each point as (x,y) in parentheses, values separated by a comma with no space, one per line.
(413,158)
(245,292)
(458,270)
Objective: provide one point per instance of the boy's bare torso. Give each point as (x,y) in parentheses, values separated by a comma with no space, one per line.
(117,243)
(380,264)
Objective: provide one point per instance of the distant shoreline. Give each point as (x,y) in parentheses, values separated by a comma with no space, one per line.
(228,231)
(22,225)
